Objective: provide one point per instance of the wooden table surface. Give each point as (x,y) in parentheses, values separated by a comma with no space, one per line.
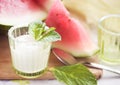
(7,72)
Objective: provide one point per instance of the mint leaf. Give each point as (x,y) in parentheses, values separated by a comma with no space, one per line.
(52,36)
(41,32)
(76,74)
(36,29)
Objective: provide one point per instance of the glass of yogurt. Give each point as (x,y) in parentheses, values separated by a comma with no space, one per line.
(29,57)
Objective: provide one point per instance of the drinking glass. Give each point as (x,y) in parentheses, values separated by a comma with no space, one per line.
(109,39)
(29,57)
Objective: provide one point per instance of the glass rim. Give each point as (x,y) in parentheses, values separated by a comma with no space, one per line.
(105,17)
(20,27)
(13,28)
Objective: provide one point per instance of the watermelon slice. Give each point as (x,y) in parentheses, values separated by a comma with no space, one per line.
(75,39)
(14,12)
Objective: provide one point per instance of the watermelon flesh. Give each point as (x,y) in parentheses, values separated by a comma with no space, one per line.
(14,12)
(75,39)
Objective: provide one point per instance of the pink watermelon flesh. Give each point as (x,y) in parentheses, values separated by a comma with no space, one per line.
(75,39)
(14,12)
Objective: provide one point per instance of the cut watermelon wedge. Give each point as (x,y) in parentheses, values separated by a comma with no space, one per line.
(75,39)
(14,12)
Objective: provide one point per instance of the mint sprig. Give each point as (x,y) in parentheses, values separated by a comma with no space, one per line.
(41,32)
(76,74)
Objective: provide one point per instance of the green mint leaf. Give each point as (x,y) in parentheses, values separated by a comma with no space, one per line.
(41,32)
(52,36)
(46,33)
(76,74)
(36,29)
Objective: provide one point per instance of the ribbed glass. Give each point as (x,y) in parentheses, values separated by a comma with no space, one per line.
(109,39)
(29,57)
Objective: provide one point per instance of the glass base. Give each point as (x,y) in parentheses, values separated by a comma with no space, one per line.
(29,75)
(110,60)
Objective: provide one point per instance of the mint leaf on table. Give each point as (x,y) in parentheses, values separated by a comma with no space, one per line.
(41,32)
(76,74)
